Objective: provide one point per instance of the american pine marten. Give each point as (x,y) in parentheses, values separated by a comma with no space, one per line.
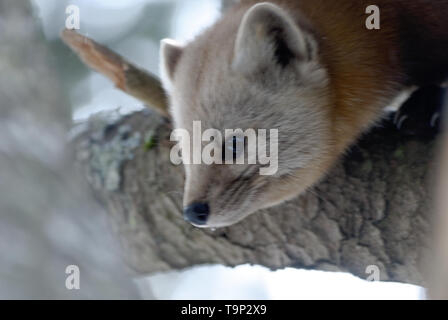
(309,68)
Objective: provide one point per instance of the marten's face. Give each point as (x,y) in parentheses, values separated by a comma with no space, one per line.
(268,80)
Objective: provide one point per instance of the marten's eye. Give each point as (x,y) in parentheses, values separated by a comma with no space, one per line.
(233,147)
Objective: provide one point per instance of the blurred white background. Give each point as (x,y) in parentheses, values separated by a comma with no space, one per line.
(133,28)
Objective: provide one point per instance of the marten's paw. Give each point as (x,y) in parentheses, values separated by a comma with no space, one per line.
(421,114)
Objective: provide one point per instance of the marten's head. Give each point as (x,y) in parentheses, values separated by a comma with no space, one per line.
(255,69)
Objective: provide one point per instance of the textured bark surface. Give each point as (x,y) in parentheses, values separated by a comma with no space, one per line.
(372,209)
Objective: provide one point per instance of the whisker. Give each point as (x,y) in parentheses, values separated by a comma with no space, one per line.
(240,182)
(175,192)
(244,183)
(237,181)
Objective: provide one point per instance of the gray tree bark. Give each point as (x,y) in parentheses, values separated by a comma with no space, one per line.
(373,208)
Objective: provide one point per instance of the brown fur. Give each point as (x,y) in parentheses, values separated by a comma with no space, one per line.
(368,67)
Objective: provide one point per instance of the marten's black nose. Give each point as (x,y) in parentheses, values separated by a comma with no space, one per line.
(197,213)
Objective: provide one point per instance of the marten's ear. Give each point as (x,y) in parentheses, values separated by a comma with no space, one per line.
(269,37)
(170,53)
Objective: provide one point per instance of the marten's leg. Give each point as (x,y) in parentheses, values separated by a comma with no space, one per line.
(421,114)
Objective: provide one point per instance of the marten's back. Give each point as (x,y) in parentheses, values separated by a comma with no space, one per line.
(414,32)
(424,40)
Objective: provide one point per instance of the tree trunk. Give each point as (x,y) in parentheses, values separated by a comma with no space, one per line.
(48,219)
(373,208)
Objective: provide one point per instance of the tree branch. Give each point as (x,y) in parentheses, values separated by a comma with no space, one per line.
(372,209)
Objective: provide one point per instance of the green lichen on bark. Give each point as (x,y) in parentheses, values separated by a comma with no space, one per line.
(110,145)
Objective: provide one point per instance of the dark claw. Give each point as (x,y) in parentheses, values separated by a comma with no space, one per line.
(421,114)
